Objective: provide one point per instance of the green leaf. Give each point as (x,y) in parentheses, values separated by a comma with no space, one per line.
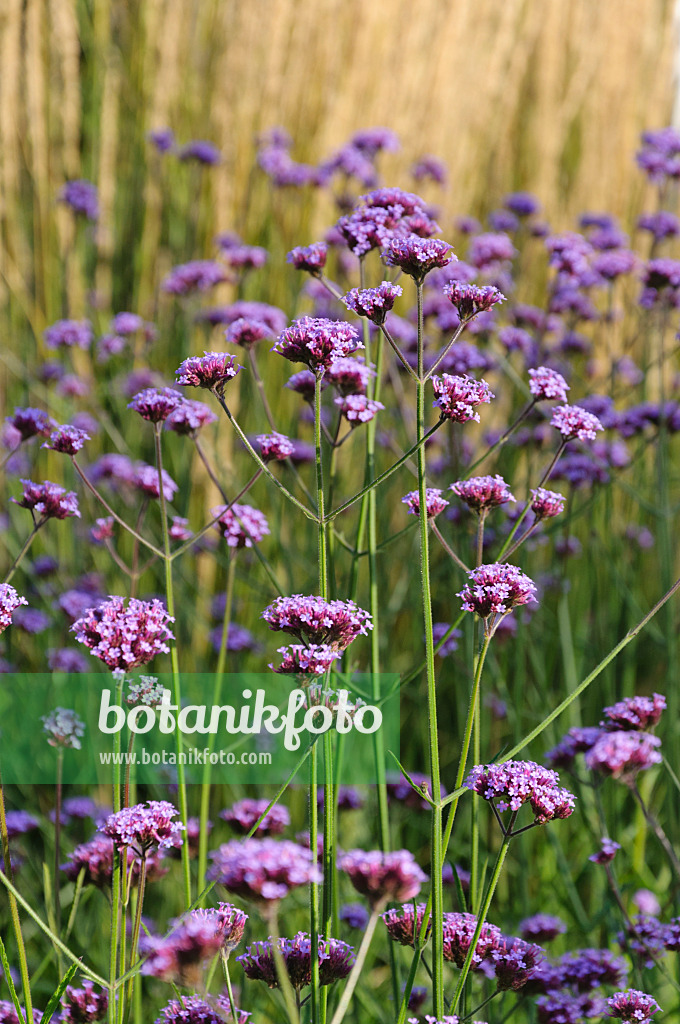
(416,789)
(10,983)
(55,998)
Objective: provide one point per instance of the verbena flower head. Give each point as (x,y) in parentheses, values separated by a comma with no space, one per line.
(198,275)
(546,504)
(383,876)
(274,447)
(481,493)
(311,258)
(565,1008)
(96,859)
(471,299)
(490,249)
(357,408)
(632,1005)
(542,927)
(189,417)
(147,691)
(634,713)
(84,1005)
(313,620)
(68,440)
(246,332)
(81,196)
(156,404)
(458,397)
(124,637)
(606,853)
(403,925)
(48,500)
(9,602)
(646,938)
(347,376)
(336,959)
(145,826)
(317,342)
(573,422)
(494,590)
(182,955)
(145,479)
(366,228)
(304,383)
(63,728)
(373,303)
(244,813)
(127,323)
(429,167)
(197,1010)
(30,422)
(262,870)
(19,822)
(212,370)
(623,754)
(434,502)
(459,930)
(511,785)
(515,962)
(417,256)
(310,661)
(69,334)
(547,383)
(241,525)
(662,224)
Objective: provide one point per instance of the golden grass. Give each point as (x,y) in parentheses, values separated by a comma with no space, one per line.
(546,95)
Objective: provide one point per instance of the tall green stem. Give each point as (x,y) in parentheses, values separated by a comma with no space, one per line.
(217,691)
(433,741)
(14,911)
(20,557)
(174,660)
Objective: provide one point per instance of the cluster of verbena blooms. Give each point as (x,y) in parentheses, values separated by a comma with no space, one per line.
(400,391)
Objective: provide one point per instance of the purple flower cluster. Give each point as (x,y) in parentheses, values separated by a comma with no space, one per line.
(67,439)
(547,383)
(243,815)
(494,590)
(81,196)
(434,502)
(313,620)
(632,1005)
(310,661)
(403,925)
(383,876)
(262,870)
(623,754)
(95,858)
(197,1010)
(246,332)
(546,504)
(241,525)
(63,728)
(84,1005)
(606,853)
(189,417)
(212,370)
(634,713)
(542,927)
(481,493)
(373,303)
(417,256)
(125,637)
(336,959)
(515,962)
(143,827)
(357,408)
(181,956)
(471,299)
(9,602)
(197,275)
(317,342)
(514,783)
(30,422)
(156,404)
(311,258)
(573,422)
(659,157)
(274,447)
(347,376)
(458,397)
(49,500)
(459,930)
(69,334)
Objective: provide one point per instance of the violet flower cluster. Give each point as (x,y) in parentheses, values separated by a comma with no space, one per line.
(145,826)
(262,870)
(335,959)
(512,784)
(244,813)
(383,876)
(125,637)
(313,620)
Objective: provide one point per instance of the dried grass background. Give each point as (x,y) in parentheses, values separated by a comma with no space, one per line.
(547,95)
